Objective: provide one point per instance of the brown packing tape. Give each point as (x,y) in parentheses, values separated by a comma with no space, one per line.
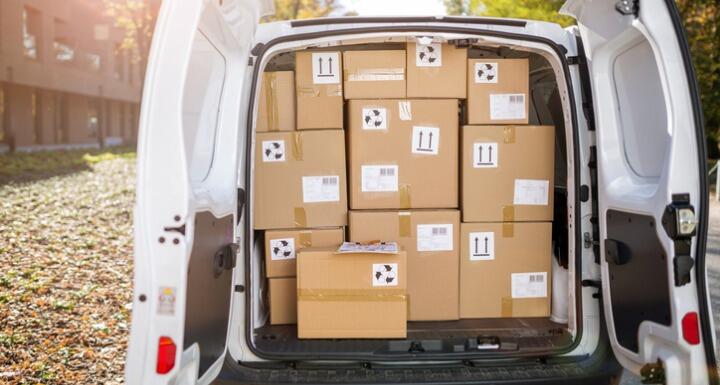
(509,133)
(307,91)
(405,198)
(333,90)
(508,230)
(508,213)
(270,85)
(297,147)
(404,226)
(300,217)
(374,74)
(506,307)
(333,295)
(305,238)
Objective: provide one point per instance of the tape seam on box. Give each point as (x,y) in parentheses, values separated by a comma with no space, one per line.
(508,213)
(333,295)
(508,230)
(271,101)
(300,217)
(297,146)
(333,90)
(404,224)
(506,307)
(405,198)
(307,91)
(305,238)
(375,74)
(509,134)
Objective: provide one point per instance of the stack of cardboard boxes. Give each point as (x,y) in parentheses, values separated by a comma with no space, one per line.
(405,153)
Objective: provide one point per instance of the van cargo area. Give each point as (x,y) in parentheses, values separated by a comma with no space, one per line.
(464,317)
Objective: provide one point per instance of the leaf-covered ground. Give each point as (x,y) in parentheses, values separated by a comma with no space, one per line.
(65,266)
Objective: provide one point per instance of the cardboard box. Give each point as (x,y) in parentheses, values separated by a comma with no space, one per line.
(507,173)
(498,91)
(300,180)
(283,301)
(276,106)
(505,270)
(374,74)
(431,240)
(358,295)
(403,153)
(318,85)
(281,247)
(436,71)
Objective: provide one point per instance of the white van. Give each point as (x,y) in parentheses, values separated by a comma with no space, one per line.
(619,88)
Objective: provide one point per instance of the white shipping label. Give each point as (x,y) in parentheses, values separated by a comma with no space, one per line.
(486,72)
(531,192)
(435,237)
(405,110)
(428,55)
(485,155)
(326,67)
(325,188)
(529,285)
(273,150)
(385,274)
(507,106)
(425,140)
(380,178)
(482,246)
(282,249)
(374,118)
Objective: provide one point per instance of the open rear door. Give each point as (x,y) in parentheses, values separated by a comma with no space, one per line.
(187,201)
(652,188)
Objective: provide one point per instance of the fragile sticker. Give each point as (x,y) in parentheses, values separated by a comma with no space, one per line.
(273,150)
(405,110)
(379,178)
(486,72)
(325,188)
(326,67)
(428,55)
(507,106)
(374,119)
(482,246)
(425,140)
(282,249)
(166,300)
(532,192)
(435,237)
(385,274)
(485,155)
(529,285)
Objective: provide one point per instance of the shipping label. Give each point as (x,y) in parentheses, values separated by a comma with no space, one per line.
(529,285)
(324,188)
(486,72)
(385,274)
(428,55)
(425,140)
(282,249)
(374,118)
(367,247)
(532,192)
(326,67)
(379,178)
(507,106)
(482,246)
(273,151)
(485,155)
(435,237)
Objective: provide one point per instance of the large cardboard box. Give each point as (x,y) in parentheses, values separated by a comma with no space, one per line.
(374,74)
(436,70)
(318,85)
(498,91)
(431,240)
(281,247)
(403,153)
(276,106)
(505,270)
(283,301)
(507,173)
(300,180)
(358,295)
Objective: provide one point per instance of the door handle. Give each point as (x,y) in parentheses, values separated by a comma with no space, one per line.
(617,252)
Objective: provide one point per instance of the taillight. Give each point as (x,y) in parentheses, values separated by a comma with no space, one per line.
(166,355)
(691,328)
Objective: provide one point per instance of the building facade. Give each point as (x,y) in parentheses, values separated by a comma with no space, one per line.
(64,79)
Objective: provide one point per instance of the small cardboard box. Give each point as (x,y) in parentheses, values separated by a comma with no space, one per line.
(354,295)
(281,247)
(300,180)
(505,270)
(436,70)
(283,301)
(507,173)
(374,74)
(498,91)
(318,85)
(431,240)
(403,153)
(276,106)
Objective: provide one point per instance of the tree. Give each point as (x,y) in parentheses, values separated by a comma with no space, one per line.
(546,10)
(302,9)
(136,18)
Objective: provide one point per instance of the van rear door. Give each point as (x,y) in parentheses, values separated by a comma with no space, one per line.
(652,188)
(187,189)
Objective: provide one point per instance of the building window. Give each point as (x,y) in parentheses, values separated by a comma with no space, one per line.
(62,45)
(32,22)
(93,61)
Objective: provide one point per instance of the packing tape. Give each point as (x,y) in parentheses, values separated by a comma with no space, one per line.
(509,134)
(375,74)
(506,307)
(333,90)
(404,226)
(508,230)
(305,238)
(508,213)
(297,147)
(307,91)
(404,190)
(334,295)
(300,217)
(270,85)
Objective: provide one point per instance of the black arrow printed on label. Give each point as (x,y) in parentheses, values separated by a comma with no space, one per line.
(330,64)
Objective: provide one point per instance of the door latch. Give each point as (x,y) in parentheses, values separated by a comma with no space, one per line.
(225,258)
(653,373)
(680,224)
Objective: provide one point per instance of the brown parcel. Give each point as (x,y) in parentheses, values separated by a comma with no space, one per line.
(507,173)
(374,74)
(319,95)
(281,247)
(358,295)
(276,106)
(300,180)
(283,301)
(510,277)
(438,74)
(498,91)
(410,161)
(430,238)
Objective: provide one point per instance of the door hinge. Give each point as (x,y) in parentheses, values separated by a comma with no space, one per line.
(627,7)
(653,373)
(680,224)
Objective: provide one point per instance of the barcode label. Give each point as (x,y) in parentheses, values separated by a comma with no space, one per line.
(325,188)
(520,98)
(330,181)
(435,237)
(380,178)
(507,106)
(537,278)
(529,285)
(387,172)
(439,231)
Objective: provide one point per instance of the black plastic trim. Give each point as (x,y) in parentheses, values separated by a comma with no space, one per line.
(407,19)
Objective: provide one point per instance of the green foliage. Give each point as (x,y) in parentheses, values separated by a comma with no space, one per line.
(301,9)
(545,10)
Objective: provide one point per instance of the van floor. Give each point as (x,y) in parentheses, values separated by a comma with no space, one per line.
(526,335)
